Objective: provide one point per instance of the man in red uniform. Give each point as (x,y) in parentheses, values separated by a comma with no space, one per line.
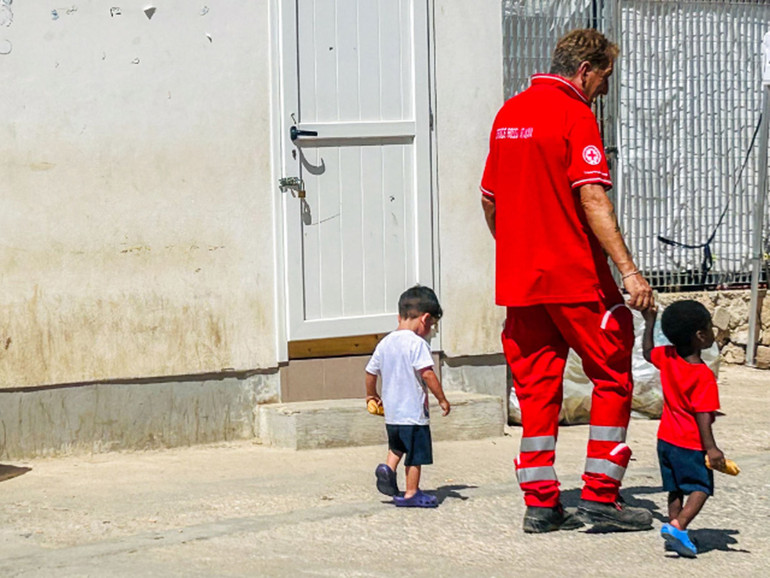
(545,202)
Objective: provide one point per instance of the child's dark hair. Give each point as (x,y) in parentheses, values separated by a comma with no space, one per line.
(418,300)
(682,319)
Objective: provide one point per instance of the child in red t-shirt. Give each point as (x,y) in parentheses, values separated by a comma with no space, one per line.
(691,399)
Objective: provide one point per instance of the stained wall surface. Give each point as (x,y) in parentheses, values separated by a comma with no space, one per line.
(136,236)
(468,46)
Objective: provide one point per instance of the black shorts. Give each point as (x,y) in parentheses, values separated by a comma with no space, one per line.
(412,440)
(684,470)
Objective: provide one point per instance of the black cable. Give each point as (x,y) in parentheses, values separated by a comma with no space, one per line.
(708,260)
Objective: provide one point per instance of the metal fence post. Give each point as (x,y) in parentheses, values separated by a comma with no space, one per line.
(759,207)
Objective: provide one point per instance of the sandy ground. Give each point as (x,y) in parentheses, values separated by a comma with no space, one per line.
(240,509)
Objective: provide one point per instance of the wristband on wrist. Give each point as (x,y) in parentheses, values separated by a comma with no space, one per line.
(631,274)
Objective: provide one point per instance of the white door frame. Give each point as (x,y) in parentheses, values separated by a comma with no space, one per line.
(283,51)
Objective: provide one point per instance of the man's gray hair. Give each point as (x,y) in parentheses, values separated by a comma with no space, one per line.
(577,46)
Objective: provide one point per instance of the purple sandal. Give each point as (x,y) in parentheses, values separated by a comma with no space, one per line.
(419,500)
(386,480)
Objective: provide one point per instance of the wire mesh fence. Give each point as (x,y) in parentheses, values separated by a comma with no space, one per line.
(683,108)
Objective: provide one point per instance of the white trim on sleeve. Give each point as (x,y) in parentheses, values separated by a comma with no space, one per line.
(486,192)
(592,181)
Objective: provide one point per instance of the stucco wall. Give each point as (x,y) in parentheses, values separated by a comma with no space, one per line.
(469,91)
(136,233)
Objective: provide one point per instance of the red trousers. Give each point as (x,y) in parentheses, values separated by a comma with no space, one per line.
(536,340)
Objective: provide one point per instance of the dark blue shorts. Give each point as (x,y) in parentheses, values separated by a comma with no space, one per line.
(412,440)
(684,470)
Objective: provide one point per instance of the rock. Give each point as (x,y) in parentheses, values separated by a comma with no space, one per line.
(721,318)
(739,313)
(732,353)
(762,358)
(707,301)
(740,336)
(765,313)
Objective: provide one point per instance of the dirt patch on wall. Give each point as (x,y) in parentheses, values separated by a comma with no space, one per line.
(53,339)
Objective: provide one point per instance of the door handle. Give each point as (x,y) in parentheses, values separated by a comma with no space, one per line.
(295,133)
(292,184)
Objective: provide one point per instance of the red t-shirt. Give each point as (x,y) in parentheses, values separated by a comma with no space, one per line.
(688,389)
(545,144)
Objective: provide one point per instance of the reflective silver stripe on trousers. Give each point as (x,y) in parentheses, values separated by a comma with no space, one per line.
(606,467)
(603,433)
(538,444)
(608,314)
(539,474)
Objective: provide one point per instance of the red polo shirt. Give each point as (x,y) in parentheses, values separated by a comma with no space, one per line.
(545,144)
(687,389)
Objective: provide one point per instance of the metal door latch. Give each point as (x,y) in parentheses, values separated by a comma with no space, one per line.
(295,133)
(292,184)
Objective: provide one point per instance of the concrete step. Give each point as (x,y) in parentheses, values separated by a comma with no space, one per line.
(345,422)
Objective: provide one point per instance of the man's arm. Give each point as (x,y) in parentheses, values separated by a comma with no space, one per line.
(600,215)
(488,204)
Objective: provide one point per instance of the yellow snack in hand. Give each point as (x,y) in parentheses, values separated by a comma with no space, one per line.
(375,408)
(730,467)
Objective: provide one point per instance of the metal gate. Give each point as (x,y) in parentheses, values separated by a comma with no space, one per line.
(678,123)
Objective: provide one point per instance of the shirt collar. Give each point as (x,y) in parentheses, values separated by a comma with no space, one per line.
(561,83)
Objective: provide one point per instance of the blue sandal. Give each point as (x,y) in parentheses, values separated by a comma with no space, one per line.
(679,541)
(419,500)
(386,480)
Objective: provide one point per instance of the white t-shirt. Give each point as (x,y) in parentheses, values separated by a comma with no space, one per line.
(398,358)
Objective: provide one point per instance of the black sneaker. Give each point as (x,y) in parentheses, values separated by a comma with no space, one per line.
(614,516)
(538,520)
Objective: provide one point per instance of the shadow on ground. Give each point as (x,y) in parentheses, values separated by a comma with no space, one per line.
(712,539)
(631,496)
(444,492)
(8,472)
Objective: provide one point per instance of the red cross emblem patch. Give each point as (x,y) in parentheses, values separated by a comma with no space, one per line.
(591,155)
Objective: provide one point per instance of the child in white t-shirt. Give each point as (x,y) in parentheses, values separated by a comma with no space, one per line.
(404,361)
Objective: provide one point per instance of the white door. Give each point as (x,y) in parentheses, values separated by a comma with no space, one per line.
(355,93)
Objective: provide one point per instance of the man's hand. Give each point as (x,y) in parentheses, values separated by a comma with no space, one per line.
(640,292)
(445,407)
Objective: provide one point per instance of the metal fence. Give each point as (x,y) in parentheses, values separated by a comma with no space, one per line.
(678,123)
